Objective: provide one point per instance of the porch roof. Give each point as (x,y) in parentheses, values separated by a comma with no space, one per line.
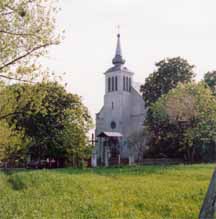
(110,134)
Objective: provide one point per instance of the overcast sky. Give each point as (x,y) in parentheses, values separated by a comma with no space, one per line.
(150,31)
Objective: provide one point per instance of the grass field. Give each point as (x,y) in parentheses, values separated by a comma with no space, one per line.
(150,192)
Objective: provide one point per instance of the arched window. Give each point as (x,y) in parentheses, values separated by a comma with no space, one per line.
(112,105)
(116,83)
(113,84)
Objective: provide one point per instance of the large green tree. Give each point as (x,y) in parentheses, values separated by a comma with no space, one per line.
(57,126)
(184,122)
(169,73)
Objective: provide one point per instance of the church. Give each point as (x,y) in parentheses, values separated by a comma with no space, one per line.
(121,115)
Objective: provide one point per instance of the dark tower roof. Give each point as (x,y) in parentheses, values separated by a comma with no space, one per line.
(118,60)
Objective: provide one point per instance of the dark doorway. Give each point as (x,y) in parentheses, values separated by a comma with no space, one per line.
(114,151)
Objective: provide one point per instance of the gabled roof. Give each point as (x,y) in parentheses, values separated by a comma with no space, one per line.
(110,134)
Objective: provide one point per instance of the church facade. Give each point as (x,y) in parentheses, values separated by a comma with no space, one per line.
(122,114)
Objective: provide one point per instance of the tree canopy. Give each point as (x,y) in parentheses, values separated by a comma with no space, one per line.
(184,122)
(169,73)
(54,126)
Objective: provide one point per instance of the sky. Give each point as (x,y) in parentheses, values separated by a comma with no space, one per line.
(150,31)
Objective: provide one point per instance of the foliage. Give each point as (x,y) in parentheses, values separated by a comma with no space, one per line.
(18,97)
(12,143)
(54,121)
(27,29)
(125,193)
(210,80)
(76,124)
(183,122)
(169,73)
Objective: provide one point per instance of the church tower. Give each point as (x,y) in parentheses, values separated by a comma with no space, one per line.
(118,82)
(123,110)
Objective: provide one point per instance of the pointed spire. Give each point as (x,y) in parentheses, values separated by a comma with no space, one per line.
(118,60)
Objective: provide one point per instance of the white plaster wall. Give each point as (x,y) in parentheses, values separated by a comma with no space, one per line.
(128,111)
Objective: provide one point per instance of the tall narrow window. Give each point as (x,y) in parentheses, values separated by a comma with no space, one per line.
(112,105)
(130,84)
(113,84)
(109,84)
(116,83)
(124,83)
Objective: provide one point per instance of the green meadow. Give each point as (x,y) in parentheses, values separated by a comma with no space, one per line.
(139,192)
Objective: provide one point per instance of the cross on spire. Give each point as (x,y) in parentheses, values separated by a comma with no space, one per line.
(118,29)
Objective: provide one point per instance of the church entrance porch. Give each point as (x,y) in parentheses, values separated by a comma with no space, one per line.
(110,150)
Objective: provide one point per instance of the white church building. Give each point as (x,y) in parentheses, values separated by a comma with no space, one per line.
(122,113)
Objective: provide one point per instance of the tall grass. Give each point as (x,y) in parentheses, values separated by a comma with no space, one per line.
(150,192)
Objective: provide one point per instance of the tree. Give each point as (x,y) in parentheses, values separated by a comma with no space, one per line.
(26,31)
(210,80)
(56,127)
(169,73)
(186,122)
